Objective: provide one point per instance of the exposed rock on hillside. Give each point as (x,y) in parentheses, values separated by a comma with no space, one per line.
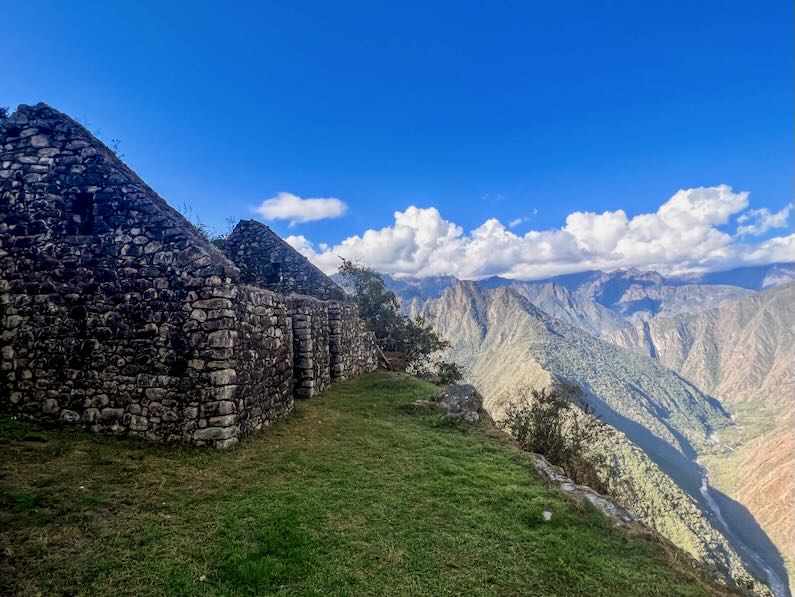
(457,401)
(462,400)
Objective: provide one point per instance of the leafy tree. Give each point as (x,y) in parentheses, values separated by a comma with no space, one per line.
(420,343)
(378,306)
(547,422)
(449,372)
(380,309)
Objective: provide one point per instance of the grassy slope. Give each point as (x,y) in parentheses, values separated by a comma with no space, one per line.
(350,495)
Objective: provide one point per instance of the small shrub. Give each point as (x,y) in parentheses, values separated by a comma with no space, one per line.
(449,372)
(548,423)
(115,147)
(208,233)
(379,308)
(3,113)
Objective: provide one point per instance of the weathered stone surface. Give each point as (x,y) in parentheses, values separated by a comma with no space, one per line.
(118,316)
(616,513)
(213,433)
(269,262)
(460,401)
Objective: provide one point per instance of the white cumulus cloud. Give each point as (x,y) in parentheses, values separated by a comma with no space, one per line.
(684,234)
(286,206)
(758,221)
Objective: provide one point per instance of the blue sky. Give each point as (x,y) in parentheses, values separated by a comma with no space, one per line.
(507,110)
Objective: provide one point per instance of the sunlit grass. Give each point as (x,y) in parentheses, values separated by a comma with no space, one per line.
(351,495)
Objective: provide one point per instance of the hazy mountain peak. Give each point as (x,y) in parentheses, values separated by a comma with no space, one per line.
(604,302)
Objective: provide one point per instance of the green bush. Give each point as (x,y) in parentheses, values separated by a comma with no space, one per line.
(449,372)
(547,422)
(380,309)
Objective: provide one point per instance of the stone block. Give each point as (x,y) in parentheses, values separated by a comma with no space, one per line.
(215,433)
(223,377)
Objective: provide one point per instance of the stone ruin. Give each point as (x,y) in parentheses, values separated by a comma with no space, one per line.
(118,316)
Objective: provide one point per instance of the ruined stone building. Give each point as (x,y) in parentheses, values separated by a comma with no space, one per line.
(118,316)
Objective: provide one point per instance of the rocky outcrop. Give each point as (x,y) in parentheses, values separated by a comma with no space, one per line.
(457,401)
(462,401)
(615,512)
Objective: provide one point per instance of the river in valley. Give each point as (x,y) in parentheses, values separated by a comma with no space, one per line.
(757,562)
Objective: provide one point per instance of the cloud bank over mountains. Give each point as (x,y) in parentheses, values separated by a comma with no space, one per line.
(687,233)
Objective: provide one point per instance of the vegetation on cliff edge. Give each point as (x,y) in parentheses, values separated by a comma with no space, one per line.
(350,495)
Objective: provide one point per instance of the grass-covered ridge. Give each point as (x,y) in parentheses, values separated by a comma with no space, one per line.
(351,495)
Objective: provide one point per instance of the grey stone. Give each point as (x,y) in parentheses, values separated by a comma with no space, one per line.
(50,406)
(69,416)
(214,433)
(137,318)
(458,401)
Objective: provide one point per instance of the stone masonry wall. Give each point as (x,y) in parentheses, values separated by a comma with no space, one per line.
(263,352)
(115,314)
(352,348)
(267,261)
(311,345)
(331,343)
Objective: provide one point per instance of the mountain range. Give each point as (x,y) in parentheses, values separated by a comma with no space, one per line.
(742,352)
(691,374)
(602,302)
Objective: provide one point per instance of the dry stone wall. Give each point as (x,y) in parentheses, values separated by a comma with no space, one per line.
(310,345)
(352,347)
(269,262)
(117,316)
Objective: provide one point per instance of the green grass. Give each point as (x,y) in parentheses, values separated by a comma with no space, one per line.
(351,495)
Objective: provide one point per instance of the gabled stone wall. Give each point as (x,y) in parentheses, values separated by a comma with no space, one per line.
(267,261)
(117,316)
(331,342)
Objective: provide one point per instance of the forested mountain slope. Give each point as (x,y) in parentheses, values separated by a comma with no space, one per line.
(743,353)
(662,420)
